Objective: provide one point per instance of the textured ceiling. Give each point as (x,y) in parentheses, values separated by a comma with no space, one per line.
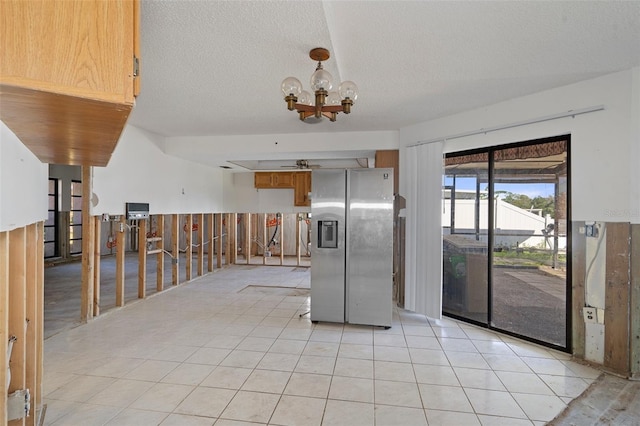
(215,67)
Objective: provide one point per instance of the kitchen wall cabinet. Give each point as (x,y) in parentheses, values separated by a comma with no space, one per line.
(301,189)
(273,179)
(69,75)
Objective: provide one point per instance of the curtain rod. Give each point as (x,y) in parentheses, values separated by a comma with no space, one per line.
(570,113)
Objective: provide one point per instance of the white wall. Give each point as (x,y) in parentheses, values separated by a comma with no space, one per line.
(23,183)
(604,144)
(140,172)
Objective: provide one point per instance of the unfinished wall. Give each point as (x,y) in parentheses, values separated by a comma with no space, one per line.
(605,181)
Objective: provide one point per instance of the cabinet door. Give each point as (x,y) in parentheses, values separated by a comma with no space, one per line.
(301,189)
(283,180)
(262,179)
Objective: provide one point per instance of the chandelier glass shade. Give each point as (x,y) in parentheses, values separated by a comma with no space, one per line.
(324,102)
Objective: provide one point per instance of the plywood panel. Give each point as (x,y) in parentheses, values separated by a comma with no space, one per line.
(634,336)
(616,319)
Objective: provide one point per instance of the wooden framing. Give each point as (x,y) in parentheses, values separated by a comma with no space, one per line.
(298,225)
(21,315)
(281,239)
(228,232)
(160,253)
(578,278)
(4,319)
(18,310)
(218,217)
(88,247)
(188,230)
(142,259)
(31,312)
(175,250)
(97,224)
(264,239)
(210,237)
(247,237)
(233,232)
(121,239)
(201,243)
(39,321)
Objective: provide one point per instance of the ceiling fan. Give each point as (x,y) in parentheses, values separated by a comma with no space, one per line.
(303,164)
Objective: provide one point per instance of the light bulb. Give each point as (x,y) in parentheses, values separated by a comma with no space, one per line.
(321,79)
(348,89)
(305,98)
(291,86)
(333,98)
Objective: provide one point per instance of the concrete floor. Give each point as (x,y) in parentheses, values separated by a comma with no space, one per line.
(608,400)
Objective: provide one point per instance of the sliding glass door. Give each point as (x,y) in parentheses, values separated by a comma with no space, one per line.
(505,239)
(465,237)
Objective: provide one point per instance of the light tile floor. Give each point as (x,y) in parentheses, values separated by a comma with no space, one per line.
(213,351)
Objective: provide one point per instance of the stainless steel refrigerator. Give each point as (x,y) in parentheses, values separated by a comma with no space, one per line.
(352,246)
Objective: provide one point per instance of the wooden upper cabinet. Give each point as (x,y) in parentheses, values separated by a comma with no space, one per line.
(273,179)
(301,189)
(67,82)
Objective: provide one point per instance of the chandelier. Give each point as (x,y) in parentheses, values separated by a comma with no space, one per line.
(326,103)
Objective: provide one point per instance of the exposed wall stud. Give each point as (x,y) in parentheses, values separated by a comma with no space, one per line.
(175,252)
(160,254)
(200,237)
(142,258)
(219,240)
(97,223)
(189,238)
(88,246)
(121,240)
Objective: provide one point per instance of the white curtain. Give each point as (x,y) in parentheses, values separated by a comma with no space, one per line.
(423,238)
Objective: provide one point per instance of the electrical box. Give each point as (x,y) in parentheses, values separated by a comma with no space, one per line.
(137,211)
(590,315)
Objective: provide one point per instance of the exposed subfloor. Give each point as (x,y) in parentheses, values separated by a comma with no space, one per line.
(231,346)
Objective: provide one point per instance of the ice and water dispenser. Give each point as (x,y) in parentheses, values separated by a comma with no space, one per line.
(327,234)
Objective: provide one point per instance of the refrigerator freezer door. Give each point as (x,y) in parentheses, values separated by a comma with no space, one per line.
(328,265)
(369,247)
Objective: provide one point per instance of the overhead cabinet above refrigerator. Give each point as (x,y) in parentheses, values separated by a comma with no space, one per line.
(352,246)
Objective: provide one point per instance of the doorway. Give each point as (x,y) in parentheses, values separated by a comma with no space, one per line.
(505,239)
